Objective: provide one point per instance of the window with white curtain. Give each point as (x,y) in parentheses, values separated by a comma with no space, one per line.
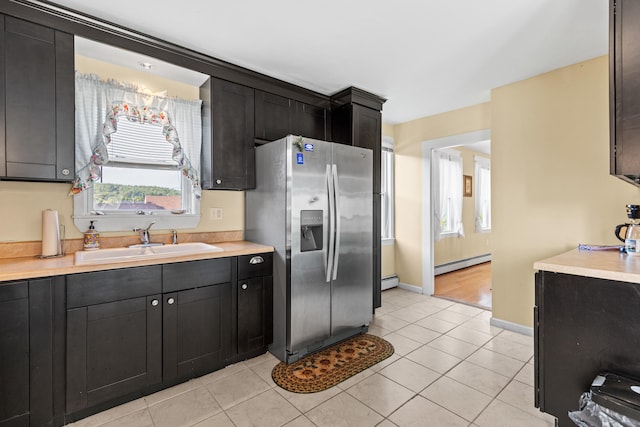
(148,151)
(387,190)
(482,171)
(447,193)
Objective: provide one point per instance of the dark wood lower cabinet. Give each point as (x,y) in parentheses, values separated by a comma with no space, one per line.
(254,302)
(583,326)
(29,334)
(74,345)
(14,347)
(196,331)
(126,337)
(113,349)
(255,297)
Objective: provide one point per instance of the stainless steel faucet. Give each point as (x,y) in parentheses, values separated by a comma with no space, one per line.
(144,233)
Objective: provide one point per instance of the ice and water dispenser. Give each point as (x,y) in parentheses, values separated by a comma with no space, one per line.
(311,230)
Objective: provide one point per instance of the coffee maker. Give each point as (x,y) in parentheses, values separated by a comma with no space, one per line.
(631,231)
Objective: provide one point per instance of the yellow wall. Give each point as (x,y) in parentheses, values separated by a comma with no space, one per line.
(22,203)
(388,263)
(551,186)
(408,138)
(472,244)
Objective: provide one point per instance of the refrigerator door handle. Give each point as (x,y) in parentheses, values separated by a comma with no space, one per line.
(336,190)
(330,233)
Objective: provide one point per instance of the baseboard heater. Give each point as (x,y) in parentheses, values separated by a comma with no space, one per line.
(389,282)
(463,263)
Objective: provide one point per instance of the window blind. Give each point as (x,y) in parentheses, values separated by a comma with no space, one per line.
(136,142)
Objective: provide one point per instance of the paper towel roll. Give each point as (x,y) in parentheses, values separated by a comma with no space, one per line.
(50,233)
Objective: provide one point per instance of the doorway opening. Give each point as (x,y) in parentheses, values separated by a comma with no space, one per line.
(457,266)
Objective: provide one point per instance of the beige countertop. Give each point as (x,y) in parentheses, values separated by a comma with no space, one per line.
(610,265)
(32,267)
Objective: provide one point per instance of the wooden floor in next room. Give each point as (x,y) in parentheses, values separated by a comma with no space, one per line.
(471,285)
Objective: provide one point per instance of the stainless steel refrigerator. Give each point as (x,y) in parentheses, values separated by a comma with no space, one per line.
(313,204)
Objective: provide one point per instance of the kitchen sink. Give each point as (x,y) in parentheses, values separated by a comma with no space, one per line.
(107,256)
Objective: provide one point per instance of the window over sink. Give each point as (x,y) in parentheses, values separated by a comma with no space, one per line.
(141,175)
(137,152)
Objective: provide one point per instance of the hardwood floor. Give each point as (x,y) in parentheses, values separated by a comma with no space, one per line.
(471,285)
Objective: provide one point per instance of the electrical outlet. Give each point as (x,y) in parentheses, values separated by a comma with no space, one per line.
(215,214)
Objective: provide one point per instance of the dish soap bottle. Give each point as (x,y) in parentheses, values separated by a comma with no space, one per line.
(91,238)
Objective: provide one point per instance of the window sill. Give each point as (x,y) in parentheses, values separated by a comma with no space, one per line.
(449,235)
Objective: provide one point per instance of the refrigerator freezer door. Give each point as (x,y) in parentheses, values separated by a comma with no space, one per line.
(352,288)
(309,322)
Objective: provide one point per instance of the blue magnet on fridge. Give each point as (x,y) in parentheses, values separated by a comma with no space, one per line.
(308,147)
(300,158)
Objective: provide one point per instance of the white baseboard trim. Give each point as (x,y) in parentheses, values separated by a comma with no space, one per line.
(510,326)
(463,263)
(389,282)
(409,287)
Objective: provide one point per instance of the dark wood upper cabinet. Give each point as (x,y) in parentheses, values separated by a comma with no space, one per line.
(273,116)
(228,158)
(278,116)
(311,121)
(624,91)
(357,120)
(36,102)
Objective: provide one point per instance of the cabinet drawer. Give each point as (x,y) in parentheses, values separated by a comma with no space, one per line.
(98,287)
(193,274)
(247,269)
(10,291)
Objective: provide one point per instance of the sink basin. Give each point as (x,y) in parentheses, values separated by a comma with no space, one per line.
(107,256)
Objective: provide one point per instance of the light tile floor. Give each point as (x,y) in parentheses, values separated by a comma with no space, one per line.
(450,368)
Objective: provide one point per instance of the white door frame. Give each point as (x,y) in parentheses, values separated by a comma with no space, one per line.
(427,211)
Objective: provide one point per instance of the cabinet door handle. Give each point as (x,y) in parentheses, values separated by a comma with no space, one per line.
(244,286)
(154,302)
(171,301)
(256,260)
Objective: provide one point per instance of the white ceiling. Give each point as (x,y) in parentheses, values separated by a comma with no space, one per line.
(424,56)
